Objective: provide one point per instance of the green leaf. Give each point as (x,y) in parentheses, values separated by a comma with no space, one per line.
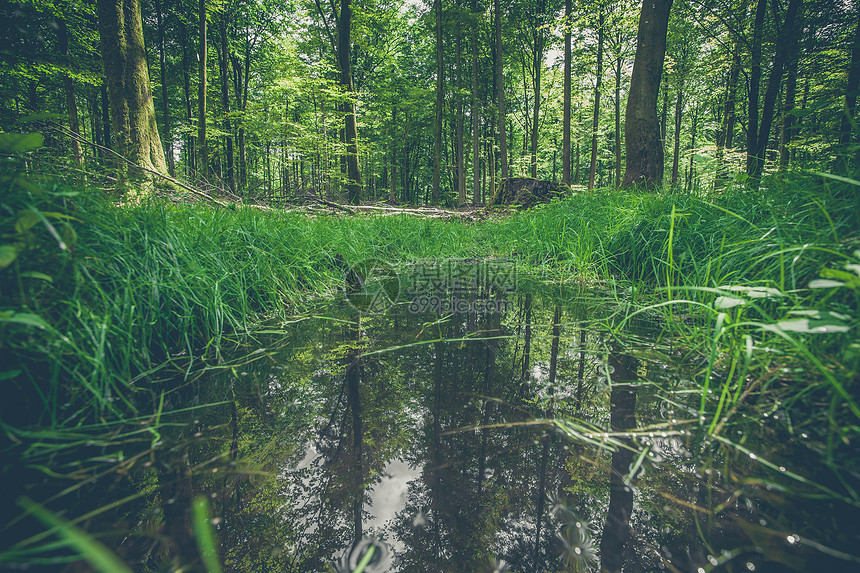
(99,556)
(20,142)
(816,322)
(204,533)
(37,275)
(26,221)
(9,374)
(825,283)
(26,318)
(726,302)
(8,254)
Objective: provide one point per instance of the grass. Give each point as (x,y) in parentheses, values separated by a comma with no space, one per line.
(132,288)
(97,298)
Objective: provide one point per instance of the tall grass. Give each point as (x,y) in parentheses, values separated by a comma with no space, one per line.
(143,286)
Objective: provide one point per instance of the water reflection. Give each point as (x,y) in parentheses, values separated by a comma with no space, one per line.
(424,442)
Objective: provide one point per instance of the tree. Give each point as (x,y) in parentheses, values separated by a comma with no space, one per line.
(344,61)
(500,90)
(135,133)
(758,139)
(644,150)
(440,102)
(596,118)
(565,149)
(203,148)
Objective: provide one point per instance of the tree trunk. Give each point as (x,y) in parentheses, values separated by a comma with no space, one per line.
(618,121)
(644,150)
(679,104)
(202,146)
(538,64)
(392,194)
(440,101)
(461,147)
(594,122)
(69,88)
(224,70)
(565,141)
(165,105)
(500,91)
(127,75)
(754,85)
(755,160)
(847,124)
(190,152)
(788,104)
(476,110)
(344,60)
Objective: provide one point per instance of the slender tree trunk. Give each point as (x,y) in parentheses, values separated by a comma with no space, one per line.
(165,104)
(105,110)
(693,130)
(69,88)
(344,59)
(618,121)
(500,92)
(440,102)
(202,146)
(596,119)
(224,70)
(461,147)
(190,151)
(754,85)
(565,141)
(644,150)
(132,108)
(476,110)
(788,104)
(770,97)
(847,125)
(538,64)
(725,140)
(392,193)
(679,107)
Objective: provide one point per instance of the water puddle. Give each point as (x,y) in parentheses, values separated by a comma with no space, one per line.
(501,426)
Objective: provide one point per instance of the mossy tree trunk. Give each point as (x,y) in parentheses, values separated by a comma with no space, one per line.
(644,150)
(135,133)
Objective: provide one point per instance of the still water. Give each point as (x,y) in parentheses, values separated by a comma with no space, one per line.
(417,425)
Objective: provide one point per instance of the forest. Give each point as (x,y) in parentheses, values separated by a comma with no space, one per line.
(429,285)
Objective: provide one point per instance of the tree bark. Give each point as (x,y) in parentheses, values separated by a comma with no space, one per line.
(165,105)
(644,150)
(202,146)
(440,101)
(847,124)
(756,158)
(596,119)
(788,104)
(461,147)
(344,60)
(224,70)
(69,88)
(132,108)
(754,85)
(500,91)
(679,105)
(476,110)
(618,121)
(565,142)
(537,62)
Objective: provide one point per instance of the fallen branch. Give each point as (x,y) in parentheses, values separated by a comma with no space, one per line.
(168,178)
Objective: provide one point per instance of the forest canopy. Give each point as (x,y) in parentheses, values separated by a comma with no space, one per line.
(417,102)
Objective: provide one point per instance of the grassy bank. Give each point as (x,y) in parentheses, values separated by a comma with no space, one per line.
(101,296)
